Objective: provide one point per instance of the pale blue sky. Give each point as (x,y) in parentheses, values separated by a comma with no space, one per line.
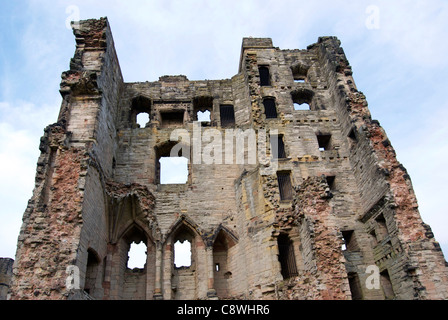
(398,51)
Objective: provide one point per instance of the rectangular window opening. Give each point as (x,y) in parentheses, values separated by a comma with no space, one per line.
(331,182)
(265,78)
(350,241)
(286,257)
(278,147)
(285,186)
(324,141)
(270,109)
(227,114)
(172,119)
(355,286)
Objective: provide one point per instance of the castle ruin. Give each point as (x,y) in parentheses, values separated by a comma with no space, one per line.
(292,190)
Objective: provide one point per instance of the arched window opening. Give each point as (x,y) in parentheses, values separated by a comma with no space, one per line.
(182,254)
(137,255)
(223,242)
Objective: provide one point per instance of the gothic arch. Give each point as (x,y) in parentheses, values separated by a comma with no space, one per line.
(230,236)
(223,241)
(183,223)
(183,281)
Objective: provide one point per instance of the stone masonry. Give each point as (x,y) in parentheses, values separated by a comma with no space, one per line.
(293,190)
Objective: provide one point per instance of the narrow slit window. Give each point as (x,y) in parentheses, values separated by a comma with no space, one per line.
(270,109)
(285,186)
(265,77)
(227,116)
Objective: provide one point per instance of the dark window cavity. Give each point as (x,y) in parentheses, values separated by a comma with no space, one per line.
(270,109)
(278,147)
(284,185)
(286,256)
(172,119)
(324,141)
(265,77)
(227,115)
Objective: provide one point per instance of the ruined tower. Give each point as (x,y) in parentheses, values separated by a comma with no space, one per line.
(292,191)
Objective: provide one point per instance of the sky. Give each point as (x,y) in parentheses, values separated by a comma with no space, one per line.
(397,49)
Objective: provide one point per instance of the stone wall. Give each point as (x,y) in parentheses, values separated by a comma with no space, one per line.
(304,225)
